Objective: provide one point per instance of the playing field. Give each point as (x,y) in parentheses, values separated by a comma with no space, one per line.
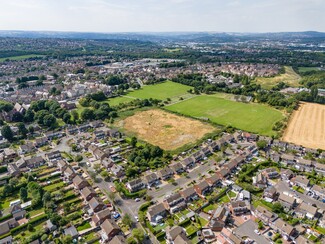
(21,57)
(307,126)
(160,91)
(250,117)
(164,129)
(290,77)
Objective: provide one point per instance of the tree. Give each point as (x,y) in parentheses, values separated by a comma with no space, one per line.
(277,207)
(112,196)
(7,133)
(30,227)
(49,120)
(261,144)
(260,225)
(67,239)
(138,234)
(75,115)
(126,220)
(314,92)
(133,142)
(87,114)
(22,129)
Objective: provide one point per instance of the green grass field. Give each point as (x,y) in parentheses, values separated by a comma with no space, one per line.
(306,69)
(290,77)
(21,57)
(160,91)
(251,117)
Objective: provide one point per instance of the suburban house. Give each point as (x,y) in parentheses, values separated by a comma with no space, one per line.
(71,231)
(306,210)
(96,204)
(240,207)
(52,156)
(304,165)
(39,142)
(69,173)
(214,180)
(177,168)
(188,163)
(99,217)
(287,159)
(173,232)
(320,168)
(135,185)
(79,182)
(202,188)
(286,201)
(270,173)
(283,228)
(174,203)
(88,193)
(260,181)
(156,213)
(7,225)
(118,240)
(165,173)
(17,212)
(301,181)
(109,229)
(286,174)
(270,192)
(265,215)
(319,191)
(189,194)
(151,179)
(219,218)
(118,171)
(26,148)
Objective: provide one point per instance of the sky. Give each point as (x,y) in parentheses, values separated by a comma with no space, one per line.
(163,15)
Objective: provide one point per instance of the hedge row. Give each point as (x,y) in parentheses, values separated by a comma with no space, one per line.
(66,198)
(3,218)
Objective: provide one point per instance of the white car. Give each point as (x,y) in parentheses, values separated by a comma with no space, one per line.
(137,199)
(257,232)
(136,218)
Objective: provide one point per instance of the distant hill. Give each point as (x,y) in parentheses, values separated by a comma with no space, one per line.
(164,36)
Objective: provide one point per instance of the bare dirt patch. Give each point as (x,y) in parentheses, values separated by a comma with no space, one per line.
(166,130)
(307,126)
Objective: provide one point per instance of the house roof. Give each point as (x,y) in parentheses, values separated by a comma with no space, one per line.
(151,177)
(95,202)
(174,231)
(77,180)
(307,208)
(173,197)
(85,192)
(301,180)
(72,231)
(188,192)
(202,185)
(282,225)
(264,212)
(135,182)
(156,209)
(287,199)
(109,225)
(118,240)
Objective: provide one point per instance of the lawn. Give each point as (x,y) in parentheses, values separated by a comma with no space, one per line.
(22,57)
(306,69)
(298,189)
(224,199)
(52,187)
(160,91)
(257,118)
(203,221)
(84,226)
(232,194)
(210,207)
(290,77)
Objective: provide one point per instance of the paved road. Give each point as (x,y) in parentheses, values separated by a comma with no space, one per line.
(284,187)
(181,182)
(247,229)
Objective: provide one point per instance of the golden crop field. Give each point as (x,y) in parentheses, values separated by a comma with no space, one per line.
(307,126)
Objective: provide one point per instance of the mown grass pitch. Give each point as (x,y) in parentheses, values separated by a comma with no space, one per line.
(250,117)
(160,91)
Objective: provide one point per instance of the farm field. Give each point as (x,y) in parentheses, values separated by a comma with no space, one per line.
(22,57)
(290,77)
(159,91)
(306,69)
(251,117)
(164,129)
(307,126)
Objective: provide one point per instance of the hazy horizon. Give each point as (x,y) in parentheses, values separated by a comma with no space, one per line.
(152,16)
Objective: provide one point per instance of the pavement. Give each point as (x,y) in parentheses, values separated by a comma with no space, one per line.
(182,182)
(248,229)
